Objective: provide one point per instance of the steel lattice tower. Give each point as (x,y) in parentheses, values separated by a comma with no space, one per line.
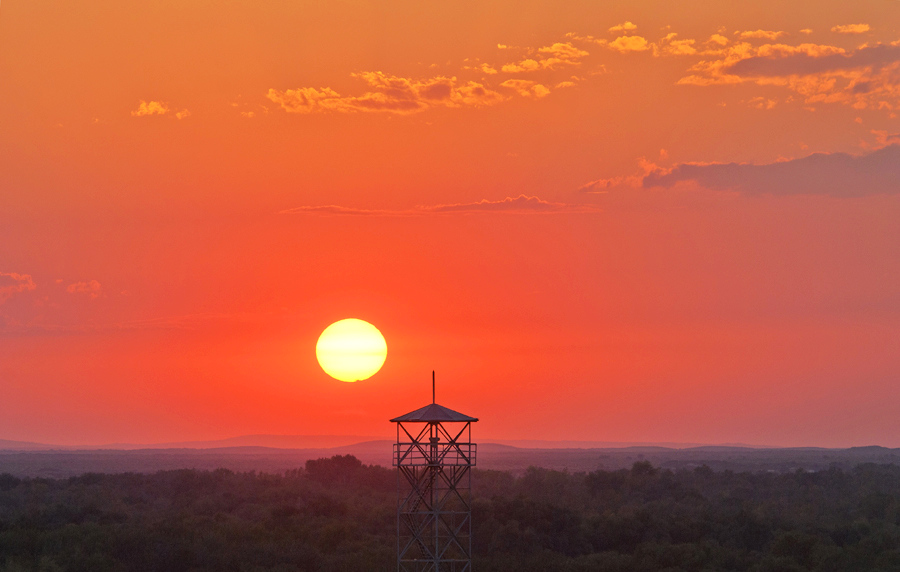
(434,455)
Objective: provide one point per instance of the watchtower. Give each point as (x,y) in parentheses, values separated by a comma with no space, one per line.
(433,455)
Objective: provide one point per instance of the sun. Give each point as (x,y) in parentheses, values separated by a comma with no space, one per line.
(351,350)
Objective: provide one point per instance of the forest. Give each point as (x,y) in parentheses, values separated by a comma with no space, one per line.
(338,515)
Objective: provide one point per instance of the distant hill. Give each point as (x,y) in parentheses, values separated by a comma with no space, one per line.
(331,441)
(270,441)
(7,445)
(47,461)
(546,444)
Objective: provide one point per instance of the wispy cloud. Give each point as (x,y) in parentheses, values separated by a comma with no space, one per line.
(183,322)
(510,205)
(522,205)
(338,210)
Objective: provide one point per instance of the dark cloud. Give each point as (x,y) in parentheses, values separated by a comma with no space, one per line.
(13,283)
(806,64)
(832,174)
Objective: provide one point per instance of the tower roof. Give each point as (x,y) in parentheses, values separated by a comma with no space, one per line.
(433,412)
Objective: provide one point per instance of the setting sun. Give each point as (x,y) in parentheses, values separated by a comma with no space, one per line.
(351,350)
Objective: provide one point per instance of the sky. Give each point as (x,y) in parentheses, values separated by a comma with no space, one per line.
(654,221)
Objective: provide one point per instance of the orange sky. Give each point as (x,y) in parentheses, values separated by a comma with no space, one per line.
(612,221)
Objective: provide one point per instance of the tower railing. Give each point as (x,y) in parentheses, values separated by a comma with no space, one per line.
(421,454)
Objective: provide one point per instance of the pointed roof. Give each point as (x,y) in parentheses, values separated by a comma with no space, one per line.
(433,412)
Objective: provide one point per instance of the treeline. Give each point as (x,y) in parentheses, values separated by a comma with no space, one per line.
(339,515)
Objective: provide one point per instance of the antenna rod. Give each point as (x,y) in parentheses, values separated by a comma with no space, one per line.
(432,386)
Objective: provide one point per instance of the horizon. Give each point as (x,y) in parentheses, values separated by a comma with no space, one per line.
(599,222)
(343,441)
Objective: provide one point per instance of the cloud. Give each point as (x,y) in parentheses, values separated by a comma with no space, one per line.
(867,78)
(669,45)
(561,53)
(762,34)
(713,71)
(526,65)
(527,88)
(762,103)
(12,283)
(91,288)
(510,205)
(390,94)
(884,138)
(808,59)
(851,29)
(147,108)
(830,174)
(602,186)
(183,322)
(339,210)
(624,27)
(550,57)
(521,204)
(625,44)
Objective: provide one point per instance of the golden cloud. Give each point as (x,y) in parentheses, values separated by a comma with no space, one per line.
(527,88)
(389,94)
(625,44)
(146,108)
(624,27)
(549,57)
(762,34)
(669,45)
(525,65)
(851,29)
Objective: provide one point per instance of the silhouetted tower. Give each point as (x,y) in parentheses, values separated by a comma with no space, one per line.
(433,455)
